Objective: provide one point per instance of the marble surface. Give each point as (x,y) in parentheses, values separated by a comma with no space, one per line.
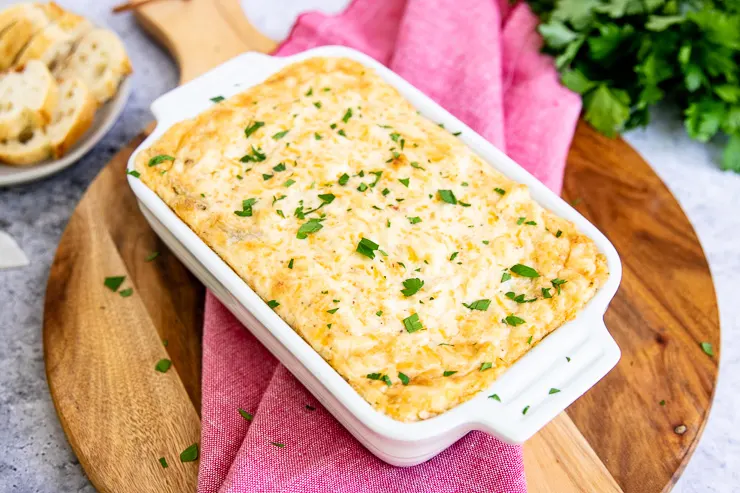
(36,456)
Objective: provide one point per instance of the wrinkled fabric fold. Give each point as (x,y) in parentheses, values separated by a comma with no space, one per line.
(480,60)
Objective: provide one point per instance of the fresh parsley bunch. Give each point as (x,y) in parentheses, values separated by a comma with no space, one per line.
(623,56)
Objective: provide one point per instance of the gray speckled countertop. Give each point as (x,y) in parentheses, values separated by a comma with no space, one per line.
(36,456)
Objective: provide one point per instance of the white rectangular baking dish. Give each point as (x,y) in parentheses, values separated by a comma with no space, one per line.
(585,340)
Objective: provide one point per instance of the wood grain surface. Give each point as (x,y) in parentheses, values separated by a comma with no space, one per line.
(120,415)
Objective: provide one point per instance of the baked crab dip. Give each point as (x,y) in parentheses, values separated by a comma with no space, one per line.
(415,269)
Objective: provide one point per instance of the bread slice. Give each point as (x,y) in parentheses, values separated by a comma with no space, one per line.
(11,14)
(100,60)
(27,23)
(54,43)
(27,99)
(72,117)
(31,147)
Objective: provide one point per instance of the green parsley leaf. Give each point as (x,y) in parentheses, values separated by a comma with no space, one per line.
(374,376)
(607,109)
(290,264)
(568,358)
(403,378)
(163,463)
(526,408)
(347,115)
(278,444)
(246,208)
(499,191)
(495,397)
(449,373)
(125,293)
(362,187)
(385,192)
(558,234)
(412,286)
(505,277)
(343,179)
(486,366)
(453,256)
(280,135)
(553,391)
(247,416)
(133,173)
(412,323)
(333,310)
(273,303)
(317,136)
(707,348)
(447,196)
(217,99)
(317,104)
(341,132)
(546,293)
(524,271)
(521,220)
(662,403)
(557,283)
(253,127)
(480,305)
(312,226)
(309,92)
(151,256)
(377,177)
(160,159)
(529,340)
(288,182)
(163,365)
(113,283)
(367,247)
(405,182)
(513,320)
(414,164)
(256,156)
(379,313)
(414,220)
(279,167)
(387,380)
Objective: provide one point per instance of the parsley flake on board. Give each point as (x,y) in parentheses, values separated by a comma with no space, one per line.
(253,127)
(412,323)
(412,286)
(524,271)
(113,283)
(125,293)
(163,365)
(480,305)
(367,247)
(160,159)
(163,463)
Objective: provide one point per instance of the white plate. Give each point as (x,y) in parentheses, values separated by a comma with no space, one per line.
(585,340)
(105,117)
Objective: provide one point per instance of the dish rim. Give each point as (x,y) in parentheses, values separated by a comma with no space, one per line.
(505,420)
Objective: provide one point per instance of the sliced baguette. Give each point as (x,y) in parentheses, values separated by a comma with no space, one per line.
(100,60)
(11,14)
(27,23)
(27,99)
(54,43)
(31,147)
(72,117)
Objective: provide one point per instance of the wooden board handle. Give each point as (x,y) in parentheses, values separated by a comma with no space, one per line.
(222,32)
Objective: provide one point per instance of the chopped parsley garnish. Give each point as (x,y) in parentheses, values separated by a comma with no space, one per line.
(309,92)
(190,454)
(326,89)
(568,358)
(333,310)
(519,298)
(526,408)
(495,397)
(546,293)
(447,196)
(486,366)
(505,277)
(290,264)
(362,187)
(521,220)
(239,177)
(151,256)
(387,380)
(217,99)
(245,414)
(273,303)
(333,126)
(555,391)
(343,179)
(480,305)
(412,286)
(486,242)
(412,323)
(379,376)
(662,403)
(163,365)
(449,373)
(280,135)
(125,293)
(499,191)
(377,177)
(280,213)
(529,340)
(277,444)
(312,226)
(246,208)
(163,462)
(347,115)
(317,136)
(531,223)
(456,133)
(256,156)
(524,271)
(385,192)
(414,164)
(160,159)
(279,167)
(454,256)
(558,234)
(326,198)
(367,247)
(341,132)
(317,104)
(379,313)
(513,320)
(414,220)
(394,136)
(253,127)
(288,182)
(113,283)
(557,283)
(133,173)
(707,348)
(403,378)
(405,182)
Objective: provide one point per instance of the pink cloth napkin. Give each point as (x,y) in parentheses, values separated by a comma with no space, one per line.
(480,60)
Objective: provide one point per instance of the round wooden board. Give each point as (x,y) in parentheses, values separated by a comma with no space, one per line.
(120,415)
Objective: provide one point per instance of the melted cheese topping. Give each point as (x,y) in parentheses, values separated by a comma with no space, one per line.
(309,125)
